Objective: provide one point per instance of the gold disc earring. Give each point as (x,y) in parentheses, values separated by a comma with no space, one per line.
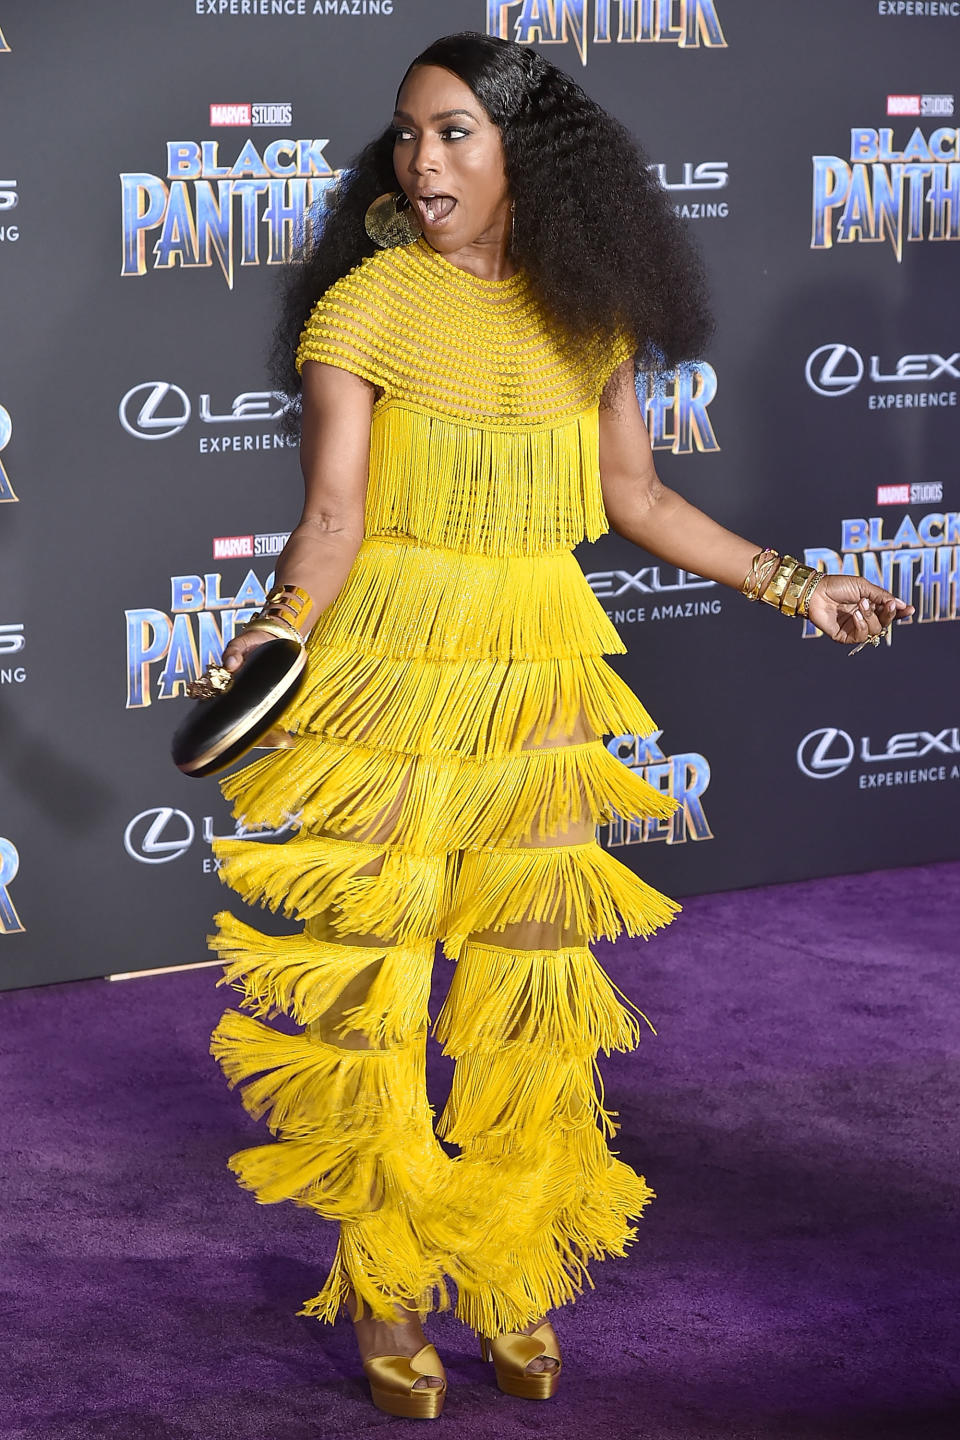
(389,221)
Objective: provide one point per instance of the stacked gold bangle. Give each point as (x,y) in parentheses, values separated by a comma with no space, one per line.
(282,611)
(782,581)
(279,615)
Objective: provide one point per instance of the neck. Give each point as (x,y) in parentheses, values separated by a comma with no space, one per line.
(488,257)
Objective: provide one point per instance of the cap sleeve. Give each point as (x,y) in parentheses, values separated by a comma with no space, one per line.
(346,328)
(623,348)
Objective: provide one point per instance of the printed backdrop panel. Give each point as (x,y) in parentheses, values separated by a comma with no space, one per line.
(157,159)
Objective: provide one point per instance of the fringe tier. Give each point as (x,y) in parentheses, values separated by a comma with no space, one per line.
(446,480)
(308,875)
(301,976)
(563,998)
(413,600)
(427,650)
(457,802)
(581,886)
(552,1206)
(317,1091)
(423,814)
(474,707)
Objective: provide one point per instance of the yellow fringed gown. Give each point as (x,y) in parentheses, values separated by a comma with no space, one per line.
(448,776)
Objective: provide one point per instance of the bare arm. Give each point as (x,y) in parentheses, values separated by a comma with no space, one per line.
(642,509)
(639,507)
(334,455)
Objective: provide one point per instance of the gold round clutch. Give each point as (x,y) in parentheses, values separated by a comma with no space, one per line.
(237,708)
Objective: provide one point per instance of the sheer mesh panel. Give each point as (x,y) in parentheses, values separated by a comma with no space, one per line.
(542,934)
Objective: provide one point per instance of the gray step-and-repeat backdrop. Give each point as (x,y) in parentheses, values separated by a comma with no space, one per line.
(156,156)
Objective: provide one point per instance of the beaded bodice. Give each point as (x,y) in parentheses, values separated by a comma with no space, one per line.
(485,434)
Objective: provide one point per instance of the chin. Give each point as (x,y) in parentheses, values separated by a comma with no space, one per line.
(443,241)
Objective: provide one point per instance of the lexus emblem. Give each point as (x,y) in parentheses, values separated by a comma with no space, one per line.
(145,422)
(834,369)
(155,837)
(825,753)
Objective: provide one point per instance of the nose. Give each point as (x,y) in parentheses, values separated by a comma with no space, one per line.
(425,158)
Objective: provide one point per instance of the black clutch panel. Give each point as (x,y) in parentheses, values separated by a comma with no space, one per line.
(219,731)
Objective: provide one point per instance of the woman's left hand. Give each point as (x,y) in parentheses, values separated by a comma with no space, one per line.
(850,609)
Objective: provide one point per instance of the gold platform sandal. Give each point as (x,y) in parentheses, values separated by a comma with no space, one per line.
(392,1378)
(512,1352)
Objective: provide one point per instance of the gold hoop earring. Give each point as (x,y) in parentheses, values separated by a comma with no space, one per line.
(389,221)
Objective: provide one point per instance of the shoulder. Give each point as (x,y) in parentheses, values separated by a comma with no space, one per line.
(611,354)
(365,286)
(350,324)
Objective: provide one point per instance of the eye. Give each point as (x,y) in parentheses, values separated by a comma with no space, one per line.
(454,132)
(400,133)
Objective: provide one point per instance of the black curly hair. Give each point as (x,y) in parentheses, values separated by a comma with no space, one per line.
(627,263)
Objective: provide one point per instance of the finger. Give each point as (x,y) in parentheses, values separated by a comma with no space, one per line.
(851,629)
(866,624)
(234,655)
(879,597)
(874,623)
(239,648)
(893,609)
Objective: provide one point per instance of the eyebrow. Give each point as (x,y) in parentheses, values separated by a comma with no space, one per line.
(440,115)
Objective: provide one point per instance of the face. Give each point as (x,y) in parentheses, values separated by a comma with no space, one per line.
(448,159)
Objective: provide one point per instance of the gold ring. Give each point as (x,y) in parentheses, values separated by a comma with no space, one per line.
(872,639)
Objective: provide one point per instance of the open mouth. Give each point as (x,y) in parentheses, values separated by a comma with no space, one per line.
(434,207)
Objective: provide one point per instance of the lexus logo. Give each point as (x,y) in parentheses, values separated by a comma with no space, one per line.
(834,369)
(155,837)
(144,422)
(825,753)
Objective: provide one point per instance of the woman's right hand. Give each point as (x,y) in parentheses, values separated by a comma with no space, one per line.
(240,647)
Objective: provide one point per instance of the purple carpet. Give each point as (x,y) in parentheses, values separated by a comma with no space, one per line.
(798,1275)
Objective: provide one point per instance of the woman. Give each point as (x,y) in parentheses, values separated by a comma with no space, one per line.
(468,414)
